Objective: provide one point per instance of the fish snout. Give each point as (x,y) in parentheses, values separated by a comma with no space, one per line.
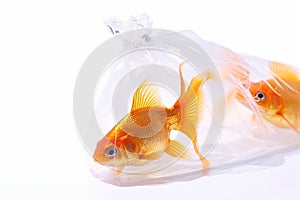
(98,159)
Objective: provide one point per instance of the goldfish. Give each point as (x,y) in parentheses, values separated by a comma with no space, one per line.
(143,135)
(278,97)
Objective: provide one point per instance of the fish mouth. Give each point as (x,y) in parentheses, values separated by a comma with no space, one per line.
(97,159)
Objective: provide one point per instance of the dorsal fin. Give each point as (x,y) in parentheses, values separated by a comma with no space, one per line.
(284,71)
(146,95)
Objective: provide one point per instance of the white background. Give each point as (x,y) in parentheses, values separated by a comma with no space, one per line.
(42,47)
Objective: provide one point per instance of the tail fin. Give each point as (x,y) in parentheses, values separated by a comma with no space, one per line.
(190,105)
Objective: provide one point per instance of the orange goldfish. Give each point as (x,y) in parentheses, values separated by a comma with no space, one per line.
(143,135)
(278,98)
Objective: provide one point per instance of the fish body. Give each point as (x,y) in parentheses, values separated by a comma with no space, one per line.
(278,98)
(143,135)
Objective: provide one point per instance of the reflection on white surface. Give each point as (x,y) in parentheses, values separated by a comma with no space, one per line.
(270,183)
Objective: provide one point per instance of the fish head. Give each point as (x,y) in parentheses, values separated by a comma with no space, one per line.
(263,93)
(116,149)
(108,153)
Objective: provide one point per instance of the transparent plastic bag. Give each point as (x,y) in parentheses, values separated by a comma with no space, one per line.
(239,136)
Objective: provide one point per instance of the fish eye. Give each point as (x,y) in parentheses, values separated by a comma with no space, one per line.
(260,96)
(111,152)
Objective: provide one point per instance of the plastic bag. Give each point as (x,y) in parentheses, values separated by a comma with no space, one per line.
(233,132)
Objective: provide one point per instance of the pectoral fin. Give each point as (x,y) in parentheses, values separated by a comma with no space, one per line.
(151,156)
(289,123)
(253,118)
(177,150)
(119,171)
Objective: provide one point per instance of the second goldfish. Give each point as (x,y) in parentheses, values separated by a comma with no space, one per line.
(277,98)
